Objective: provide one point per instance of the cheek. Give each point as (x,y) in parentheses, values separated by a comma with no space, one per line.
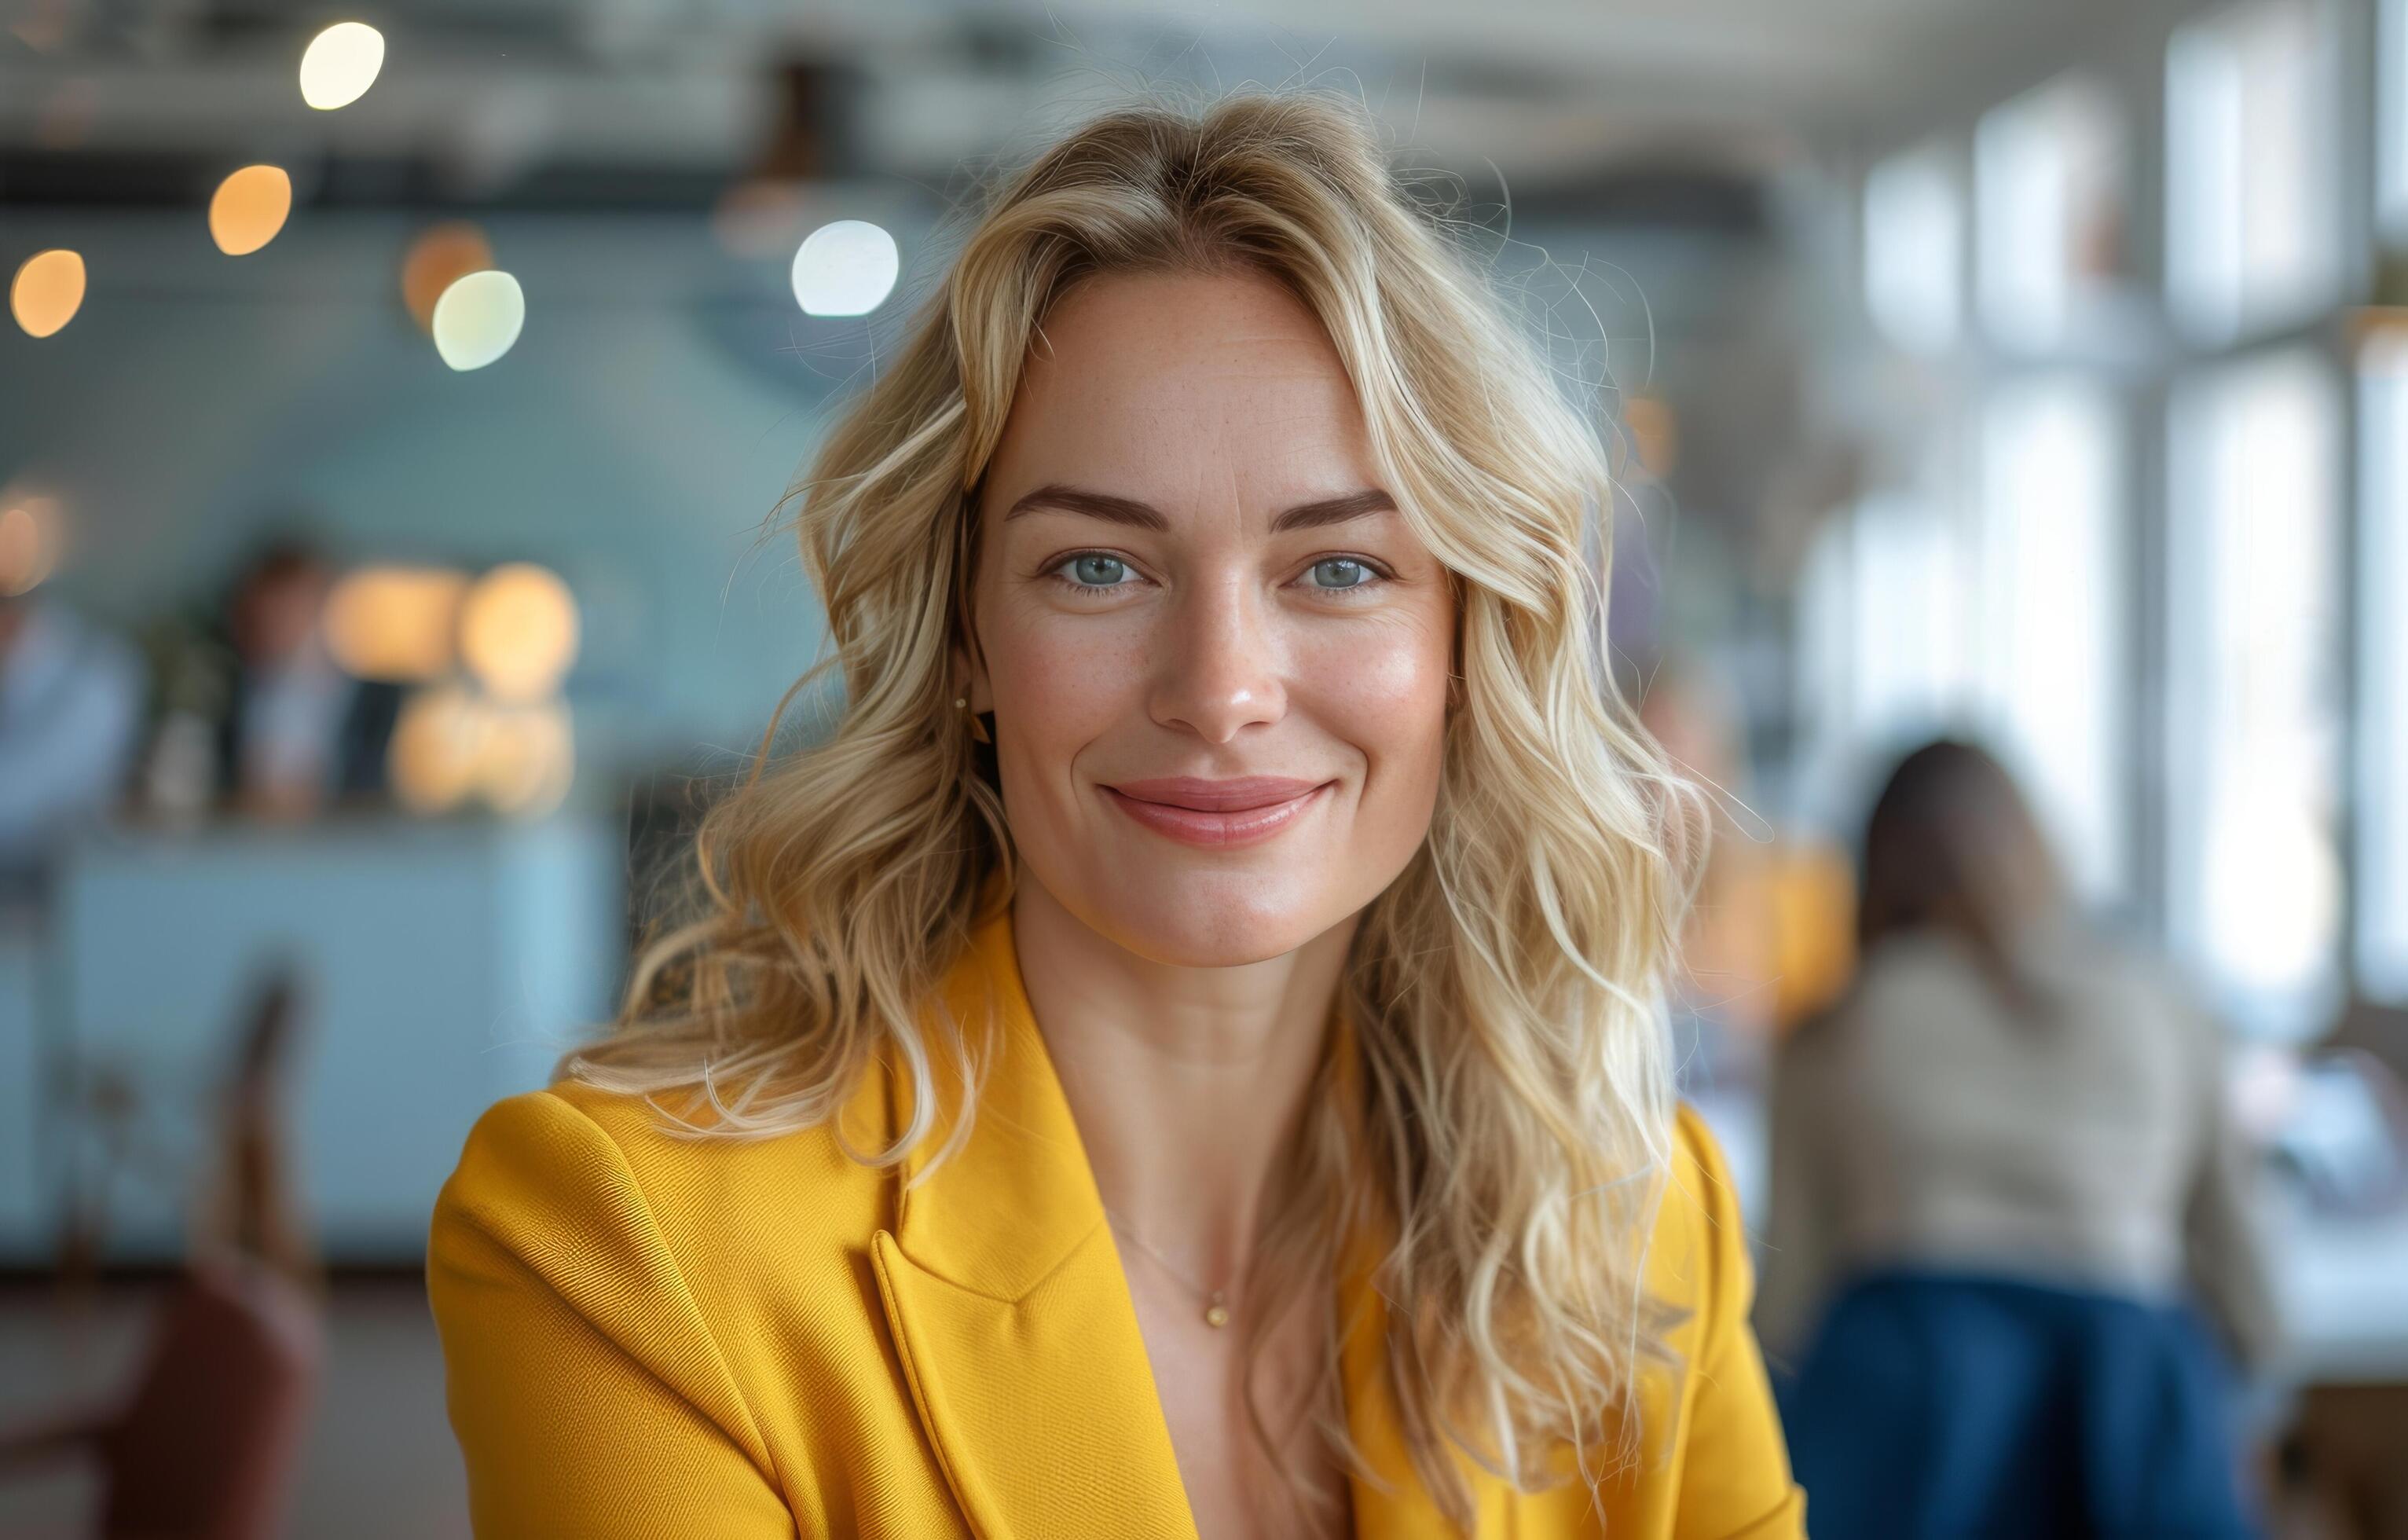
(1384,689)
(1062,679)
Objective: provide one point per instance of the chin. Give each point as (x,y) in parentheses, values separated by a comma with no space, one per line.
(1212,919)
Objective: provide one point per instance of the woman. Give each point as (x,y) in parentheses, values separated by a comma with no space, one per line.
(2000,1168)
(1186,1055)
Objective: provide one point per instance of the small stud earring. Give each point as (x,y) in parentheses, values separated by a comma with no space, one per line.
(977,728)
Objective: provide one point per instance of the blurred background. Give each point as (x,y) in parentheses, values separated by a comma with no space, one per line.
(396,404)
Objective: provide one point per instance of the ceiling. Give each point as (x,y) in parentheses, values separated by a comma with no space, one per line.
(630,100)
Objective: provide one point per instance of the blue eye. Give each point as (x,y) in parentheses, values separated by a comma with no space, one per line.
(1096,571)
(1349,572)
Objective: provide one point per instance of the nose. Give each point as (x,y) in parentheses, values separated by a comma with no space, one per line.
(1220,664)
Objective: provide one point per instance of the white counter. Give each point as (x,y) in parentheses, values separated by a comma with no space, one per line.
(449,964)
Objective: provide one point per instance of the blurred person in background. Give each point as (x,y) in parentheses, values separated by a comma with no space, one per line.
(70,716)
(298,731)
(2002,1173)
(1188,1053)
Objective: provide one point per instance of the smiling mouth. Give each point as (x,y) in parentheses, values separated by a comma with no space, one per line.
(1217,813)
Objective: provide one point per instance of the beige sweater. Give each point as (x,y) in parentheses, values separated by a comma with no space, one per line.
(1923,1123)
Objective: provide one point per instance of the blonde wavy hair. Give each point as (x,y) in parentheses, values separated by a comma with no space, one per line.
(1514,1117)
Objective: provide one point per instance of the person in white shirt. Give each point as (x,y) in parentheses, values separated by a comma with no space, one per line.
(70,713)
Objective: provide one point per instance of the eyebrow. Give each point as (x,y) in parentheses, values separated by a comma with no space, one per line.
(1128,510)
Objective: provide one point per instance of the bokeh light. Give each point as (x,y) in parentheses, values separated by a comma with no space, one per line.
(63,118)
(1654,433)
(436,748)
(518,632)
(47,292)
(479,318)
(443,255)
(845,268)
(758,219)
(526,758)
(42,26)
(397,623)
(250,208)
(340,63)
(29,542)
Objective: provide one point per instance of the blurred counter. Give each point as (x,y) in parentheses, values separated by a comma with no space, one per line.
(2342,1287)
(443,966)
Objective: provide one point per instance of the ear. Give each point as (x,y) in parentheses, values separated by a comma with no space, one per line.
(968,657)
(970,681)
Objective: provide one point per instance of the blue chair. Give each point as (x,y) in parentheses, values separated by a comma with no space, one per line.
(1945,1408)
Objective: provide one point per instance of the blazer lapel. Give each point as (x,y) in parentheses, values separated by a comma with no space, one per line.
(1009,1310)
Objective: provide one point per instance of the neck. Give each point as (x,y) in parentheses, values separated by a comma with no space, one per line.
(1186,1081)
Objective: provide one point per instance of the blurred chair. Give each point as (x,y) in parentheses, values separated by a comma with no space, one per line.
(2344,1134)
(1940,1407)
(2380,1030)
(2347,1448)
(204,1445)
(249,1206)
(2343,1139)
(246,1204)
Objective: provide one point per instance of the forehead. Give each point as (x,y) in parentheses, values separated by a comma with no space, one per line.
(1174,384)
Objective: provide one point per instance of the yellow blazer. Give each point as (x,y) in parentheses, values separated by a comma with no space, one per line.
(650,1336)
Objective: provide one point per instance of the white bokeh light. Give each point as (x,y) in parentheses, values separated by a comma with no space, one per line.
(340,63)
(478,319)
(845,268)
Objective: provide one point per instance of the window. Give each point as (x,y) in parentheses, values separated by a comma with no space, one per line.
(2050,607)
(1883,636)
(2392,123)
(2254,888)
(2383,674)
(2049,170)
(1914,249)
(2252,203)
(1910,597)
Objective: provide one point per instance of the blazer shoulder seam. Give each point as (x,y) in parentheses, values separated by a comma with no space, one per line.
(702,1322)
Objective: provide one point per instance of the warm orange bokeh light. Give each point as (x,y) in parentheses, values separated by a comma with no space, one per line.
(29,544)
(440,256)
(452,746)
(250,208)
(759,219)
(1655,434)
(518,632)
(527,759)
(1813,891)
(396,623)
(438,747)
(47,292)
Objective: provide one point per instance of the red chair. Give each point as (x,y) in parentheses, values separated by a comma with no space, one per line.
(205,1446)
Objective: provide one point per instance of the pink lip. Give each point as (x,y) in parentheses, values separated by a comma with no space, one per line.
(1216,813)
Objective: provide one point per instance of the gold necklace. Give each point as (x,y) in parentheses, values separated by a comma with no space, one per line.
(1216,1302)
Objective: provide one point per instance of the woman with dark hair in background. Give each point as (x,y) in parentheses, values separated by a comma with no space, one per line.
(2001,1169)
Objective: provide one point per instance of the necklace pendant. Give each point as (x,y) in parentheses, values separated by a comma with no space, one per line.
(1216,1315)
